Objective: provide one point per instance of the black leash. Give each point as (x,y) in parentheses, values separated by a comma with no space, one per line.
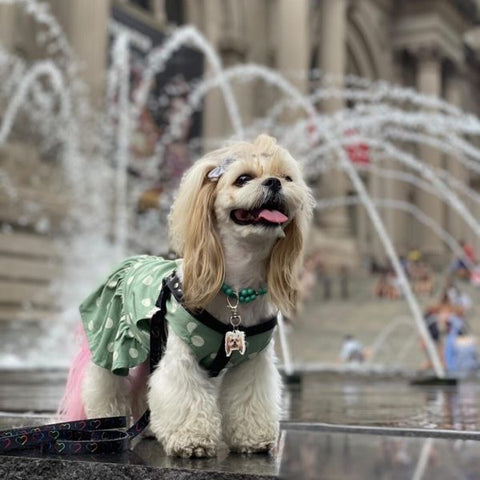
(97,435)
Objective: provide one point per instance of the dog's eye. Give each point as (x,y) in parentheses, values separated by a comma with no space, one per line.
(242,180)
(288,178)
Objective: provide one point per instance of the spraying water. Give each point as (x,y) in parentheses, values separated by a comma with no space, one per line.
(385,119)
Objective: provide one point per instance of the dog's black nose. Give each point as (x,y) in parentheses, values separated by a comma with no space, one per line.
(273,184)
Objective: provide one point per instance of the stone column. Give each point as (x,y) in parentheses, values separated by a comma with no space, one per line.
(332,61)
(429,82)
(377,190)
(294,47)
(332,47)
(158,10)
(86,25)
(453,94)
(7,27)
(398,222)
(216,122)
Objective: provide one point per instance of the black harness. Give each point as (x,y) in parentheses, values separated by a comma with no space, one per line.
(102,435)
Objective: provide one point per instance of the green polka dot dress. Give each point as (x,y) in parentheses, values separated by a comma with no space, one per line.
(116,318)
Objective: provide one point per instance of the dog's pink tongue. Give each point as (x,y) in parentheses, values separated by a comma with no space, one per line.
(272,216)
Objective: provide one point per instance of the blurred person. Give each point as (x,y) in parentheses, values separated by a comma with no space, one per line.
(414,255)
(352,350)
(432,322)
(422,279)
(459,298)
(393,285)
(461,350)
(461,267)
(387,285)
(436,318)
(380,288)
(468,252)
(404,262)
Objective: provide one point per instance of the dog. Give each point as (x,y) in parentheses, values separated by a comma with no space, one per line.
(239,223)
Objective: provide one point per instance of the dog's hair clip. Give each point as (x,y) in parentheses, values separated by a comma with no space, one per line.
(217,172)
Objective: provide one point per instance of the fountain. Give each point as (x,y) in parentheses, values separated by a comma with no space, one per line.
(391,121)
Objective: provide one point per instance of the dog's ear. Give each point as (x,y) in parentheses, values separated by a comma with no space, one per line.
(286,260)
(194,237)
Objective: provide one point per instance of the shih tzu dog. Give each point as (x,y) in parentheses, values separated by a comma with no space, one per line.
(238,222)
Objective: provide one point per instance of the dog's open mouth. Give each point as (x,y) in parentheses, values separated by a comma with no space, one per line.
(266,215)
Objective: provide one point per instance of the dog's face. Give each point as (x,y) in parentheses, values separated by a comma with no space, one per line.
(259,195)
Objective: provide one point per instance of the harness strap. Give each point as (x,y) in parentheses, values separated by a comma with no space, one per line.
(221,360)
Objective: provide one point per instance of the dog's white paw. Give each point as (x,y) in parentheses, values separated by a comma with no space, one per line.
(193,450)
(261,447)
(247,439)
(188,446)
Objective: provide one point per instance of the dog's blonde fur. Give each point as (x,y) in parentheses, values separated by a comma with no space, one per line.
(194,237)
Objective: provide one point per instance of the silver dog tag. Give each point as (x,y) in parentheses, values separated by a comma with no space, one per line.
(235,339)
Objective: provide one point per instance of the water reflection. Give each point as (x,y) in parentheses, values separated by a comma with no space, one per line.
(455,408)
(322,455)
(393,403)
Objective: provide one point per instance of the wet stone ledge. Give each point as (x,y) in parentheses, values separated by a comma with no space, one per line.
(60,468)
(146,461)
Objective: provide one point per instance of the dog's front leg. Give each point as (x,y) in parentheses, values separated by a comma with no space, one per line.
(103,393)
(250,404)
(185,416)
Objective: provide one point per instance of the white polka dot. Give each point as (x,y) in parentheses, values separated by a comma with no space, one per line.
(129,334)
(98,301)
(191,326)
(213,355)
(90,325)
(148,280)
(109,323)
(115,355)
(146,302)
(133,352)
(198,341)
(110,347)
(112,284)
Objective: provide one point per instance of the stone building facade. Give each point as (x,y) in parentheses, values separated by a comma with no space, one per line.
(425,44)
